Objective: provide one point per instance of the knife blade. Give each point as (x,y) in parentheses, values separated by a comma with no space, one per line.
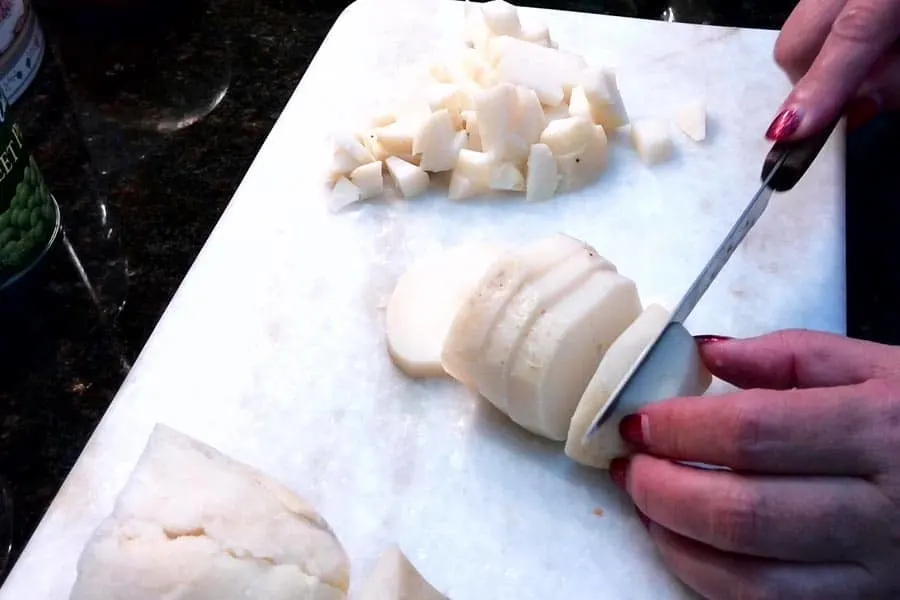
(650,378)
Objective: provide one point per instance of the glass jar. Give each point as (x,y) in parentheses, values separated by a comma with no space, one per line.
(29,216)
(21,47)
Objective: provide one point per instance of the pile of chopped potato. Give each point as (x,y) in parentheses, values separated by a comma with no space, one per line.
(510,112)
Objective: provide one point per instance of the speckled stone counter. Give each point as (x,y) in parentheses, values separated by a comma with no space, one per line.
(140,189)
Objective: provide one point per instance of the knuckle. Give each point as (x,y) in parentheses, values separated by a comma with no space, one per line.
(736,523)
(860,21)
(749,437)
(787,55)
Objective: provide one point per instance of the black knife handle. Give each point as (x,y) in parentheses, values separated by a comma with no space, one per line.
(798,156)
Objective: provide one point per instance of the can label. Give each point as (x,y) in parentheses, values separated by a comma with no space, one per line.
(27,213)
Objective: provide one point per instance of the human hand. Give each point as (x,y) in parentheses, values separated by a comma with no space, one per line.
(811,505)
(839,54)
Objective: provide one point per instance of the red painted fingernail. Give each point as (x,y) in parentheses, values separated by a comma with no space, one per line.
(631,428)
(703,340)
(861,111)
(618,472)
(785,125)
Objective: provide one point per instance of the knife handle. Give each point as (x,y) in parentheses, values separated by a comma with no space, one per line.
(798,156)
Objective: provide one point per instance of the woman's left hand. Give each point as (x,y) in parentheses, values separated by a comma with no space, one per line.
(811,505)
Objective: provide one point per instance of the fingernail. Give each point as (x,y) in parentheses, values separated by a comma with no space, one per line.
(631,428)
(862,110)
(703,340)
(785,125)
(618,472)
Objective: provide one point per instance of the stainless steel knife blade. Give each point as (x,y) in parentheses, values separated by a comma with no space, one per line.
(649,379)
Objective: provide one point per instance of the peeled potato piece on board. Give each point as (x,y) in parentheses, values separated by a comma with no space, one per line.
(562,350)
(688,376)
(425,301)
(479,312)
(194,521)
(395,578)
(539,293)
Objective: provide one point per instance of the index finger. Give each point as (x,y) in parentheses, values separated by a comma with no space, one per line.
(861,34)
(820,431)
(803,34)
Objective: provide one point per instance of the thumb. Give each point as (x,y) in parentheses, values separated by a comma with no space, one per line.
(861,35)
(798,359)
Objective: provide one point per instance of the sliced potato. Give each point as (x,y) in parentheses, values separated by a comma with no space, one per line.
(496,110)
(476,317)
(549,72)
(540,291)
(436,143)
(395,578)
(409,179)
(688,377)
(652,141)
(601,91)
(369,179)
(691,118)
(501,18)
(543,174)
(425,301)
(506,176)
(581,150)
(530,119)
(562,350)
(535,32)
(343,194)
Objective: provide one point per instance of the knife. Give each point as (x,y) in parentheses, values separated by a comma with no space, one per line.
(653,377)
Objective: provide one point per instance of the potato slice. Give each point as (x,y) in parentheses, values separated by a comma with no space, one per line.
(601,91)
(561,352)
(343,194)
(652,141)
(462,187)
(477,32)
(369,179)
(691,119)
(437,143)
(543,174)
(473,322)
(530,119)
(425,302)
(473,135)
(581,151)
(501,18)
(539,292)
(409,179)
(549,72)
(535,32)
(507,177)
(496,110)
(397,138)
(352,148)
(474,167)
(688,377)
(395,578)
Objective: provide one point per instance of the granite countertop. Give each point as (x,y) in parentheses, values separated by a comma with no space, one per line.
(138,204)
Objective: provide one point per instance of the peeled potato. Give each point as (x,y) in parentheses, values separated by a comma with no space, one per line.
(425,301)
(688,377)
(485,303)
(562,351)
(395,578)
(539,293)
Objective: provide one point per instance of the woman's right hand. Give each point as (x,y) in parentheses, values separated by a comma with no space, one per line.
(840,55)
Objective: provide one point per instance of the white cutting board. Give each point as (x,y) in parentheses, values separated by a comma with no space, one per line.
(272,350)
